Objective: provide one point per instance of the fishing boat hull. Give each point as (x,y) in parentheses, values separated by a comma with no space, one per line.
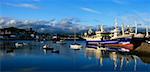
(122,36)
(109,48)
(126,46)
(92,38)
(116,41)
(109,42)
(102,42)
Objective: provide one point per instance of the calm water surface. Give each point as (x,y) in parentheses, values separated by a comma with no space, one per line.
(33,58)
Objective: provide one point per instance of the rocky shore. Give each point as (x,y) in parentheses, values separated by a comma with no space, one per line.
(143,51)
(143,48)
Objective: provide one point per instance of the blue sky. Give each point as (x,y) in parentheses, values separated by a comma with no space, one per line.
(89,12)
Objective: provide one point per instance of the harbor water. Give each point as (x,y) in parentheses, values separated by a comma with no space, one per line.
(32,57)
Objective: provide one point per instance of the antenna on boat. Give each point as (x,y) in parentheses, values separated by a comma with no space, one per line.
(74,36)
(90,31)
(123,29)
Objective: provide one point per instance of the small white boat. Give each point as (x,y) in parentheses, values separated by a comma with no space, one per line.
(20,44)
(75,46)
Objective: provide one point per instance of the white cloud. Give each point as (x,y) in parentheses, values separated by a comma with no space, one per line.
(90,10)
(24,5)
(65,24)
(2,21)
(140,18)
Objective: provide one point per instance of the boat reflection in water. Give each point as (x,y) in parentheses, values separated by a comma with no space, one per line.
(10,48)
(118,59)
(34,58)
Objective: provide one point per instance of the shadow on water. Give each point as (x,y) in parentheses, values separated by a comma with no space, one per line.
(145,59)
(9,47)
(137,42)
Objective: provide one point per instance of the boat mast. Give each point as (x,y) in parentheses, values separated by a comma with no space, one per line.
(74,36)
(147,35)
(135,27)
(101,28)
(116,28)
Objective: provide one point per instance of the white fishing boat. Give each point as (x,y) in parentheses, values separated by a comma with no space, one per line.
(116,32)
(139,35)
(98,35)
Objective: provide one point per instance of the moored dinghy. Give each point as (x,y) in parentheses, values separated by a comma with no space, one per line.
(47,47)
(20,44)
(75,45)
